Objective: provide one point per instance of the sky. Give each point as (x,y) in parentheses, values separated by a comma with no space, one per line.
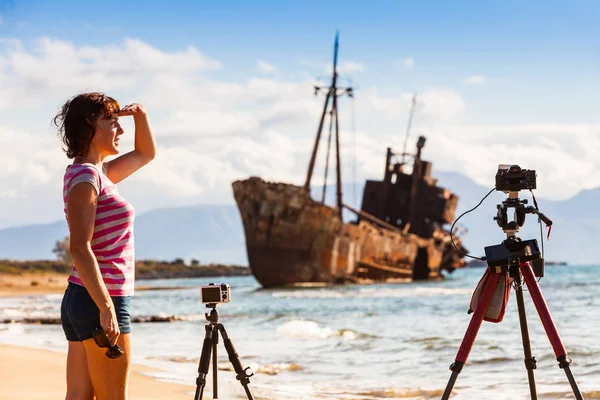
(229,91)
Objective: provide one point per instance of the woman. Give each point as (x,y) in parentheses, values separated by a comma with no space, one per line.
(101,242)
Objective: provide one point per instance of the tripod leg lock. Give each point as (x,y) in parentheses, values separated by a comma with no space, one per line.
(564,361)
(201,380)
(244,375)
(457,366)
(531,363)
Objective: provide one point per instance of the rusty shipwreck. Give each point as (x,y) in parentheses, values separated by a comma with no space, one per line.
(398,234)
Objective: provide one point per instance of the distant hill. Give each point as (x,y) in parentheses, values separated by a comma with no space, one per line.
(213,233)
(575,221)
(209,233)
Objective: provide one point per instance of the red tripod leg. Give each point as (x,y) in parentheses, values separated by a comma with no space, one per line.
(542,308)
(472,329)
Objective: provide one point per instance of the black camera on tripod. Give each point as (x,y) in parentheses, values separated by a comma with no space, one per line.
(511,178)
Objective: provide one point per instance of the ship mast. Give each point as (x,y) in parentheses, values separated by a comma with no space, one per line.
(408,126)
(333,92)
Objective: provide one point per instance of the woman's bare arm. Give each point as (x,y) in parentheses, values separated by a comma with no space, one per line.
(145,146)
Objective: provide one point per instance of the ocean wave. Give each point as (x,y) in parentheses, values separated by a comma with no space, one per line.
(30,310)
(433,343)
(491,360)
(306,329)
(257,368)
(12,329)
(55,320)
(577,354)
(594,394)
(174,359)
(268,369)
(590,372)
(374,293)
(404,393)
(310,294)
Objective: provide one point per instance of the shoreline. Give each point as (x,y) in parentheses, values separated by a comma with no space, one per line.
(43,283)
(36,374)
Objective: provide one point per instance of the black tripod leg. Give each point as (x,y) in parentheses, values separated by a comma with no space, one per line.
(530,362)
(474,325)
(542,308)
(204,361)
(215,341)
(242,374)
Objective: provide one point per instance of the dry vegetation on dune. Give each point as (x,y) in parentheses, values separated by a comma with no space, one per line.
(47,276)
(145,269)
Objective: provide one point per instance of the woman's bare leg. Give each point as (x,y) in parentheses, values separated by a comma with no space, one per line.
(110,377)
(79,384)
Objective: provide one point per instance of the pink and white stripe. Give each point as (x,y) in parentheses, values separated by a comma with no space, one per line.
(112,242)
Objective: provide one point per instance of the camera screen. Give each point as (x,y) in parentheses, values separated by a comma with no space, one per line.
(211,295)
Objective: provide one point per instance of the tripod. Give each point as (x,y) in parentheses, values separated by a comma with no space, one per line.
(210,345)
(512,257)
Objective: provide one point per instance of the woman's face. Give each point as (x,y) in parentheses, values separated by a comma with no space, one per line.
(106,138)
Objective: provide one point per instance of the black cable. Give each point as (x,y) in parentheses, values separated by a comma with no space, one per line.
(541,227)
(456,220)
(539,222)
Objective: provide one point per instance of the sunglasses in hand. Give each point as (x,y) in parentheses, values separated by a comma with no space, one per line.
(102,340)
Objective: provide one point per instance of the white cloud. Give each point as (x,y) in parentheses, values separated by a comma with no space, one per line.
(348,67)
(475,80)
(343,67)
(53,66)
(211,132)
(266,68)
(408,62)
(432,104)
(476,151)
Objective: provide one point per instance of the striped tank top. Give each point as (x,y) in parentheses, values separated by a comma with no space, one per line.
(112,242)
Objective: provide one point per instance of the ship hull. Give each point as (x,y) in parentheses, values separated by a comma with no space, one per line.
(293,240)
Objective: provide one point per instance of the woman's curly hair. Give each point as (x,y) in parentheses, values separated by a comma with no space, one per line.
(76,120)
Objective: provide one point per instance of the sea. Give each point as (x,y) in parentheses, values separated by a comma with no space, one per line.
(359,342)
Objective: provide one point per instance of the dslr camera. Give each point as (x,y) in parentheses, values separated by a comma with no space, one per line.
(213,294)
(511,178)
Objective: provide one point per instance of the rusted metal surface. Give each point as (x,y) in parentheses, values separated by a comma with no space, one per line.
(292,239)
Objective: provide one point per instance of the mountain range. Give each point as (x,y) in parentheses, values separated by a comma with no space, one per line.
(214,232)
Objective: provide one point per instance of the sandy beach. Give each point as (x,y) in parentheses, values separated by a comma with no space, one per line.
(28,284)
(29,374)
(32,283)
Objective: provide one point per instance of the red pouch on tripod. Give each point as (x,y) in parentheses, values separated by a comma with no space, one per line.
(497,306)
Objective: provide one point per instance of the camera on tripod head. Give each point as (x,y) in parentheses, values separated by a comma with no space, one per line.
(511,178)
(214,294)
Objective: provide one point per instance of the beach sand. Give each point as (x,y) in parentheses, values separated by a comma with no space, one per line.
(28,284)
(32,283)
(29,374)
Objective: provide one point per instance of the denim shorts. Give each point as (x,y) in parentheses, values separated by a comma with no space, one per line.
(80,316)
